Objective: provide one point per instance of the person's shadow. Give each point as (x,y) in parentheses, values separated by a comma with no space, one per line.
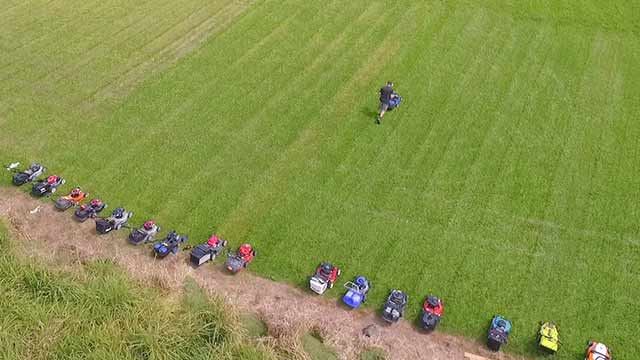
(369,113)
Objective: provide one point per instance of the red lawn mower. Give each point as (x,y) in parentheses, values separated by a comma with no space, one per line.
(432,312)
(240,259)
(207,251)
(90,210)
(326,275)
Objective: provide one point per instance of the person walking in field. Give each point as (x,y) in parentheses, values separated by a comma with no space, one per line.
(387,95)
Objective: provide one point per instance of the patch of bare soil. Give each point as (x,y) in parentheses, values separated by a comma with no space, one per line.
(289,312)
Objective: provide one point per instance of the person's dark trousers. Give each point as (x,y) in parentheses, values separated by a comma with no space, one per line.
(384,106)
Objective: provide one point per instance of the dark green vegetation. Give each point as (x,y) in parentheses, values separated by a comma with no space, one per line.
(255,327)
(315,347)
(98,312)
(373,354)
(507,183)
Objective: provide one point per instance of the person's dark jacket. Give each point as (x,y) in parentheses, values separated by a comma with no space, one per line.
(385,94)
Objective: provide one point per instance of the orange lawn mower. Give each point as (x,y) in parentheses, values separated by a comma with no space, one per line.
(597,351)
(74,198)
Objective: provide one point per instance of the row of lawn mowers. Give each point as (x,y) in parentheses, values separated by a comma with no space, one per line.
(119,219)
(548,339)
(324,278)
(326,275)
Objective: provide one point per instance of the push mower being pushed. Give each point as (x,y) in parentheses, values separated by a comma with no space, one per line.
(47,186)
(207,251)
(171,244)
(325,277)
(74,198)
(118,219)
(28,175)
(432,312)
(395,102)
(356,292)
(498,332)
(239,260)
(144,234)
(393,308)
(90,210)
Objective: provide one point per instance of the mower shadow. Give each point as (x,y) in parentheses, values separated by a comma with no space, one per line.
(341,305)
(187,261)
(215,264)
(378,320)
(416,324)
(370,114)
(364,311)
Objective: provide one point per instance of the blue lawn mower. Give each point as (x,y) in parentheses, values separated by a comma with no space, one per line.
(394,102)
(498,332)
(356,292)
(171,244)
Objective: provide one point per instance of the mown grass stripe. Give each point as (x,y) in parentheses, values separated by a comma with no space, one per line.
(155,59)
(178,48)
(289,88)
(52,28)
(308,135)
(138,27)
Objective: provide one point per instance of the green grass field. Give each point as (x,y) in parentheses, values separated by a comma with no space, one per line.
(507,182)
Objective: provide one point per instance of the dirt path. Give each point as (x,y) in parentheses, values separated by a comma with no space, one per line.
(287,311)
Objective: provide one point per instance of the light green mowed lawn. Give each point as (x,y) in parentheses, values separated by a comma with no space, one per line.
(506,183)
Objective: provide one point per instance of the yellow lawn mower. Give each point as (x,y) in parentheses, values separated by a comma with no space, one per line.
(548,337)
